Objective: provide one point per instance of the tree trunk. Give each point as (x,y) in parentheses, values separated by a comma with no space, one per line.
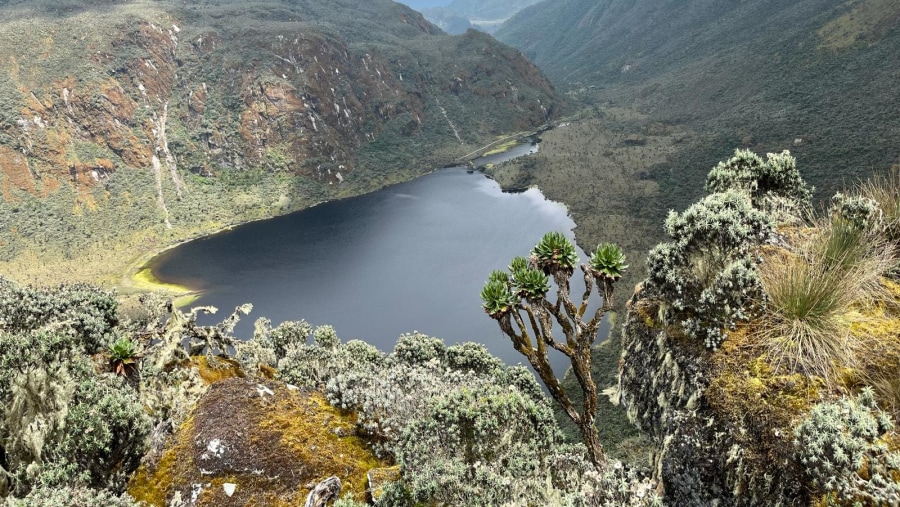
(592,441)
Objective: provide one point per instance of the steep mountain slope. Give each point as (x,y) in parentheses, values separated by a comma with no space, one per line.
(817,76)
(127,124)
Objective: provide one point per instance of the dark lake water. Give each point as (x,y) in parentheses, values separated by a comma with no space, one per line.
(410,257)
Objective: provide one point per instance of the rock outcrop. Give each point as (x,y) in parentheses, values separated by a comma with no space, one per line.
(710,446)
(723,423)
(251,443)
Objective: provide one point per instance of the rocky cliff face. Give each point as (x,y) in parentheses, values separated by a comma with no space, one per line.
(721,432)
(729,427)
(273,447)
(193,109)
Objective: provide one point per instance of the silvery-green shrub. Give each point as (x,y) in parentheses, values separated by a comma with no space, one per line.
(417,348)
(838,439)
(774,185)
(473,447)
(64,424)
(71,496)
(61,422)
(315,364)
(705,273)
(104,436)
(289,333)
(474,357)
(85,312)
(860,212)
(467,430)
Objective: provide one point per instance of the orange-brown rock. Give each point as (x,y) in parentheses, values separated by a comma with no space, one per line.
(16,174)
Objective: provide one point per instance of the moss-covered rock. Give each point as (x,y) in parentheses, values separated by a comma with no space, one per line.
(273,442)
(723,423)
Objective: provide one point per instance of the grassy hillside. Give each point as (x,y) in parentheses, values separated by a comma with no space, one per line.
(816,76)
(126,127)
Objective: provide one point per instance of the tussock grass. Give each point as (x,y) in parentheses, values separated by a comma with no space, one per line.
(811,291)
(802,329)
(840,245)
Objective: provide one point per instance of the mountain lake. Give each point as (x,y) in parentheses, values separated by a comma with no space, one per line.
(410,257)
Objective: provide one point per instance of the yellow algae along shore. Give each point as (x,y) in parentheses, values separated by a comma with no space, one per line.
(508,145)
(145,281)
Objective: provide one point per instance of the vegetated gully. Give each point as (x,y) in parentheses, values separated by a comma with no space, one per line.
(410,257)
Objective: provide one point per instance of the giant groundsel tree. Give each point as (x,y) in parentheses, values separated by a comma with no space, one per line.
(519,300)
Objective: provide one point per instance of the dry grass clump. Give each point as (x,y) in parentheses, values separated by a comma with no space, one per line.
(802,329)
(884,189)
(886,385)
(810,292)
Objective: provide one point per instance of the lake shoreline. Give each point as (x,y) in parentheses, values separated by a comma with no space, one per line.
(139,276)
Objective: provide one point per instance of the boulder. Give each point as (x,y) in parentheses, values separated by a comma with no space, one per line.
(264,443)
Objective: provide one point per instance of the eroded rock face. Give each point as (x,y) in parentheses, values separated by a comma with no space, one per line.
(252,443)
(704,453)
(243,88)
(192,116)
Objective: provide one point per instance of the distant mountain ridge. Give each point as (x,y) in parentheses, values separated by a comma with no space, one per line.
(425,4)
(489,9)
(457,16)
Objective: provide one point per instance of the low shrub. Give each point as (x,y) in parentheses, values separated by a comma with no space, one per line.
(774,185)
(473,357)
(475,447)
(859,212)
(841,445)
(418,349)
(465,429)
(71,496)
(706,274)
(104,437)
(315,364)
(63,423)
(88,313)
